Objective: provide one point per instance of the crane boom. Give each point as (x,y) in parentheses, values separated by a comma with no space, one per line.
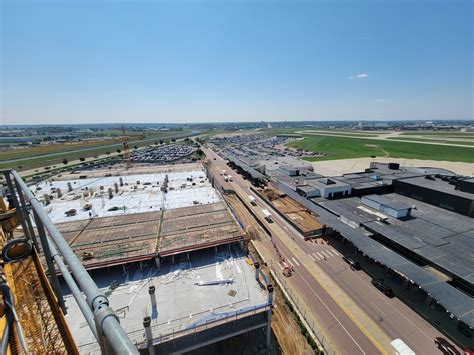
(126,149)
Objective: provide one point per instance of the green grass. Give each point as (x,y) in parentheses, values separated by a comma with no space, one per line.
(431,140)
(348,147)
(447,134)
(71,147)
(342,133)
(41,161)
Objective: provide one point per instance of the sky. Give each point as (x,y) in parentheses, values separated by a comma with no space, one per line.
(84,61)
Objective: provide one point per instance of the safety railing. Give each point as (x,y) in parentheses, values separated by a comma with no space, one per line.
(100,317)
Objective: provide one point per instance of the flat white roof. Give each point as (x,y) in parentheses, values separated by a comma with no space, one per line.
(182,304)
(135,197)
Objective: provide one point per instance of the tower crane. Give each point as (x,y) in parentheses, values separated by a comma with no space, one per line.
(126,149)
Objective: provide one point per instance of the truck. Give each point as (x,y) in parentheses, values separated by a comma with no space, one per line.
(229,178)
(253,201)
(267,215)
(401,348)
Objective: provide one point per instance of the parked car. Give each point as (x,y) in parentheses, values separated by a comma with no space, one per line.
(446,347)
(382,287)
(352,263)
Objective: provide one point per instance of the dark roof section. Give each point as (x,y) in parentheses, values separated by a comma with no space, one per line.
(437,184)
(452,299)
(253,173)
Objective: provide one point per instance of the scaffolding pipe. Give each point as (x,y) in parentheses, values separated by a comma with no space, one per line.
(115,336)
(81,302)
(49,262)
(28,219)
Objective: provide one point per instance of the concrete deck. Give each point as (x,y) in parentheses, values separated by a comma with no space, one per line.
(182,305)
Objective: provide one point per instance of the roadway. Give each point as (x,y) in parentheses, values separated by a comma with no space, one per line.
(391,318)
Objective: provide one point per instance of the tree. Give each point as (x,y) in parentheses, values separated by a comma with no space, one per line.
(161,141)
(119,151)
(20,167)
(135,147)
(173,139)
(107,152)
(65,161)
(82,159)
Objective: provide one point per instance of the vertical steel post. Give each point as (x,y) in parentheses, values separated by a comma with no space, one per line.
(49,261)
(26,214)
(111,335)
(16,204)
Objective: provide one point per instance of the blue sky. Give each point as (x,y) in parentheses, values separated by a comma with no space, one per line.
(192,61)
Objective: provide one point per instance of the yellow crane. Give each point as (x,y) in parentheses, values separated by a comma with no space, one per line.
(126,149)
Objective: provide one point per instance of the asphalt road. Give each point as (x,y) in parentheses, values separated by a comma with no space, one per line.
(395,318)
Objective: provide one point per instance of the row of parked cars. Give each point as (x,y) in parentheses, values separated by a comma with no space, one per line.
(442,344)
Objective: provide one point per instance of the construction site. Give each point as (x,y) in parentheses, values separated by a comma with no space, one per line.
(301,218)
(164,229)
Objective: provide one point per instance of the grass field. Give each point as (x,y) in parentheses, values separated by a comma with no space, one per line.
(447,134)
(70,147)
(45,160)
(432,140)
(341,133)
(347,147)
(333,131)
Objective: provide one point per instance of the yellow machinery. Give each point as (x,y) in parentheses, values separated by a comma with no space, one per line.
(126,149)
(29,309)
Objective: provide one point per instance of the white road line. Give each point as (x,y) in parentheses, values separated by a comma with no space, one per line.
(322,251)
(319,254)
(296,262)
(289,262)
(316,257)
(383,313)
(329,254)
(311,257)
(332,314)
(334,252)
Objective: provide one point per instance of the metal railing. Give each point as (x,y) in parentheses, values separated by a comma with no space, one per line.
(100,317)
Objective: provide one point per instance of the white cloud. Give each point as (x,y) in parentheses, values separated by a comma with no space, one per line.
(359,76)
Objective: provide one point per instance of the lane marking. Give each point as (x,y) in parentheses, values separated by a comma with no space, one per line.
(383,313)
(289,262)
(316,257)
(296,262)
(319,254)
(311,257)
(326,255)
(332,314)
(335,252)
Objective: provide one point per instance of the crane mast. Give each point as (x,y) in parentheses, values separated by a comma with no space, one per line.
(126,149)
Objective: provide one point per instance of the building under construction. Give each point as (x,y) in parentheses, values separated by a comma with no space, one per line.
(166,251)
(166,230)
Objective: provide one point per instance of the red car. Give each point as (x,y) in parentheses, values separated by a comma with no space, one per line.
(446,347)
